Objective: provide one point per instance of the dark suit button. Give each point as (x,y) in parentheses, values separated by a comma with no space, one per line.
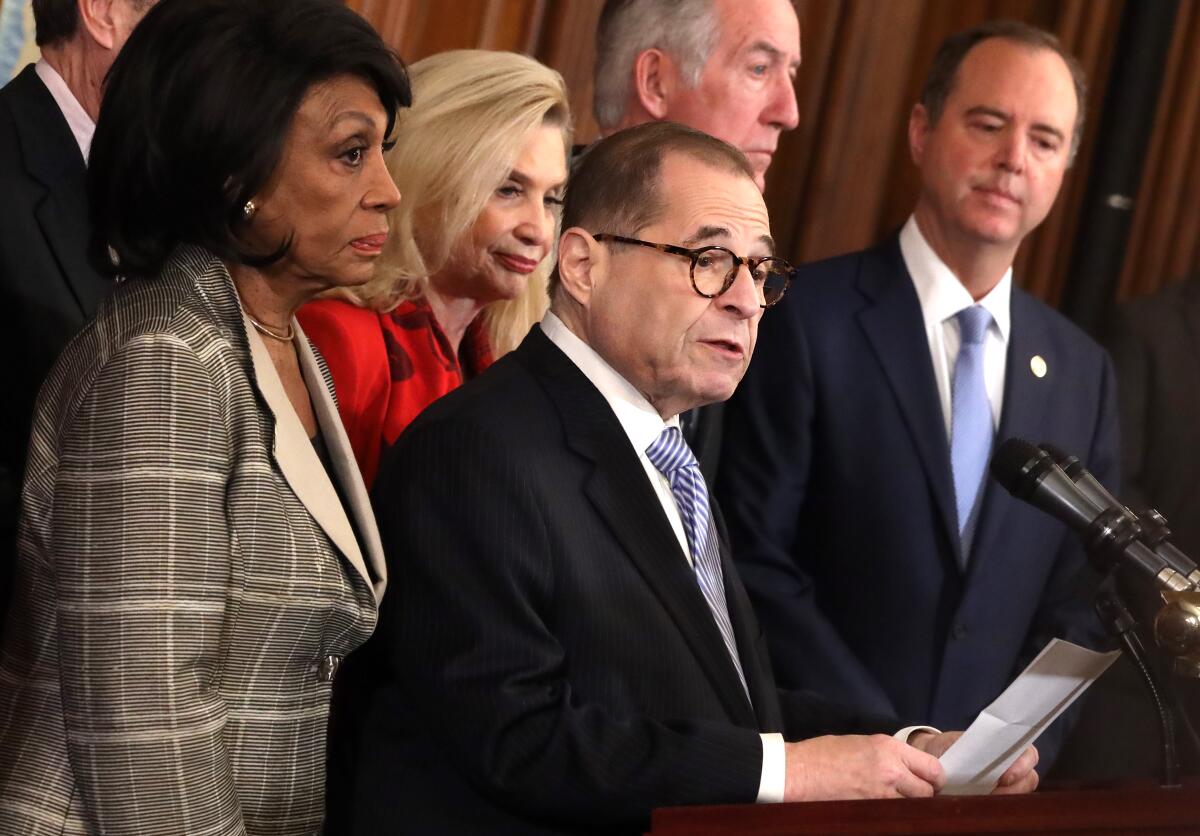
(959,631)
(328,668)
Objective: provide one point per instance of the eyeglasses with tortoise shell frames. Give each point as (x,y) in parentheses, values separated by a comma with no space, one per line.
(714,269)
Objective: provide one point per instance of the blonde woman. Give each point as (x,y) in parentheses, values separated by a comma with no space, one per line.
(481,162)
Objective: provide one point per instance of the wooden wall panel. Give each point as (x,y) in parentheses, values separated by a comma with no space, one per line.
(787,179)
(1166,222)
(568,45)
(853,156)
(1088,30)
(559,33)
(844,179)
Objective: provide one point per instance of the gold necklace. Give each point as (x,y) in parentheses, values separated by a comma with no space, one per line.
(285,337)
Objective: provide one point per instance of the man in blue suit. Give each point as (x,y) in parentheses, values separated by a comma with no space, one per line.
(888,570)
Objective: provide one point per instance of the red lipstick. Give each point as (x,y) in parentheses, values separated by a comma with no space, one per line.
(370,244)
(516,263)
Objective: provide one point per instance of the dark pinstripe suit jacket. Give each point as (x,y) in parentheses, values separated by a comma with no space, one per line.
(551,664)
(185,571)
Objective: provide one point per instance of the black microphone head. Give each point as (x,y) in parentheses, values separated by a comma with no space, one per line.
(1029,474)
(1020,466)
(1071,465)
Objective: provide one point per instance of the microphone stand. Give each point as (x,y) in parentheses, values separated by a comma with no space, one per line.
(1176,626)
(1177,632)
(1112,537)
(1119,622)
(1190,690)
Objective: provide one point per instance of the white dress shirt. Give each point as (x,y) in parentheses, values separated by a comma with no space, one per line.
(81,125)
(642,423)
(942,296)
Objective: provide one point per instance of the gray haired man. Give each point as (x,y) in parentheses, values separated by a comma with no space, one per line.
(725,67)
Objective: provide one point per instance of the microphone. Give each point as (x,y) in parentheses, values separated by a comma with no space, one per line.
(1110,534)
(1154,531)
(1088,484)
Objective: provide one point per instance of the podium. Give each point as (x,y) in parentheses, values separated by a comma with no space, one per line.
(1112,809)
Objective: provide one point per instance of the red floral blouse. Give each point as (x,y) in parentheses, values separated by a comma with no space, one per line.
(387,367)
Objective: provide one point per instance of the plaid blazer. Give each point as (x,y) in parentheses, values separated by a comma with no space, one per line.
(188,578)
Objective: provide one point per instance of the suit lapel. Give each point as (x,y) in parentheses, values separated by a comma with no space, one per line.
(345,467)
(298,461)
(624,498)
(894,326)
(52,157)
(1025,399)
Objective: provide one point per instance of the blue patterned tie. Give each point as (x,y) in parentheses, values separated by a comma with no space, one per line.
(672,457)
(971,430)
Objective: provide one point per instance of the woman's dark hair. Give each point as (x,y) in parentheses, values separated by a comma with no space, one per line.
(196,112)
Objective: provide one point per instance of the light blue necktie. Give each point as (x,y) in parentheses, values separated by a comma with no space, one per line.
(670,454)
(971,430)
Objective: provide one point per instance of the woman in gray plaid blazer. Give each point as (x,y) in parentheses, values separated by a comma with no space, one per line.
(196,548)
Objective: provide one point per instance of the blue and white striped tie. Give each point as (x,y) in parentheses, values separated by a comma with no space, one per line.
(971,428)
(670,454)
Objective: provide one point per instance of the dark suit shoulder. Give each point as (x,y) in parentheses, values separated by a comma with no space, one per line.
(34,134)
(19,84)
(25,90)
(826,295)
(841,274)
(1077,344)
(1145,315)
(503,398)
(846,281)
(846,266)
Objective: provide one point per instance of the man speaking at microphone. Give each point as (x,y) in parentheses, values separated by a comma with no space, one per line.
(567,645)
(889,572)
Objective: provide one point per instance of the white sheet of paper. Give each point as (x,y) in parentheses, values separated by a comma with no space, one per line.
(1059,674)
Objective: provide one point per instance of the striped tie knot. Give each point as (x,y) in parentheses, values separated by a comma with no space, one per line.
(669,452)
(671,456)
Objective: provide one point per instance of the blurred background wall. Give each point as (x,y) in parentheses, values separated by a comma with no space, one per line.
(1124,225)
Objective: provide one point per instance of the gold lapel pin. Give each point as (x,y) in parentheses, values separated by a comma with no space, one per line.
(1037,365)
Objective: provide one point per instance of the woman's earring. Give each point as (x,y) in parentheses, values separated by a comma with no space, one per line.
(248,210)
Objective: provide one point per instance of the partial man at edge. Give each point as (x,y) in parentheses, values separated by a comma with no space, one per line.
(48,289)
(1155,348)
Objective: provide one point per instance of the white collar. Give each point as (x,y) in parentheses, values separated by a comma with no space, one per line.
(81,125)
(638,418)
(940,292)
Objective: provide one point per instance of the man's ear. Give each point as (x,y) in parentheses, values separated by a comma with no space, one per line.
(652,82)
(918,132)
(581,264)
(96,16)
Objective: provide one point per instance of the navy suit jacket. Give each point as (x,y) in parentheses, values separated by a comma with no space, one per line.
(545,661)
(836,481)
(48,289)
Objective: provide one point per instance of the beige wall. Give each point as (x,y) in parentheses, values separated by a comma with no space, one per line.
(28,52)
